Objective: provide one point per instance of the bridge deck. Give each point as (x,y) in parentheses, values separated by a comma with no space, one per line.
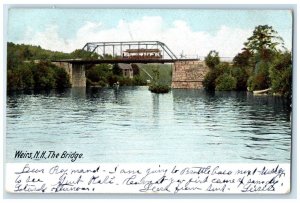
(112,61)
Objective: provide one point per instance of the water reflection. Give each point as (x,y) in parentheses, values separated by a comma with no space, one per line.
(131,124)
(155,107)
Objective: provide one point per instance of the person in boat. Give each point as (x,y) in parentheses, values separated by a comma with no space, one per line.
(116,84)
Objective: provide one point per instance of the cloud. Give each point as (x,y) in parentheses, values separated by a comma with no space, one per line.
(179,36)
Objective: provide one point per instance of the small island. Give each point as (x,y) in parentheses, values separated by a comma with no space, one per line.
(159,88)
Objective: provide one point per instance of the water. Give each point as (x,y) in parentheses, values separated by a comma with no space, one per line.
(132,125)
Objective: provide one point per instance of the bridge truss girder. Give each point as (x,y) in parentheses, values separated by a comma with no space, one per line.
(115,48)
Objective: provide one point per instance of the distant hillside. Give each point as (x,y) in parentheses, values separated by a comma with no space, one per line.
(22,52)
(18,53)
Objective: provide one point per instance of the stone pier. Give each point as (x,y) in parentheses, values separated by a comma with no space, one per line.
(76,73)
(189,74)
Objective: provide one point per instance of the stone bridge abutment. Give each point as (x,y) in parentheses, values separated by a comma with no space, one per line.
(75,71)
(189,74)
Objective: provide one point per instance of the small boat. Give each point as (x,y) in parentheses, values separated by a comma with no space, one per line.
(261,92)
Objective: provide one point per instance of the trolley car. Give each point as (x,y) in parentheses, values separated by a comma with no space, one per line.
(142,54)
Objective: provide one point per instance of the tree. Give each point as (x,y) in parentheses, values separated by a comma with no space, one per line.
(263,42)
(135,69)
(62,79)
(212,59)
(263,45)
(241,75)
(260,79)
(26,76)
(209,82)
(44,76)
(243,59)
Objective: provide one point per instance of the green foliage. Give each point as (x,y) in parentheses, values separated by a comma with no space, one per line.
(222,68)
(14,80)
(241,76)
(243,59)
(260,63)
(264,38)
(26,76)
(18,53)
(116,70)
(165,72)
(104,74)
(135,69)
(157,85)
(226,82)
(40,76)
(209,82)
(155,75)
(210,78)
(139,81)
(260,79)
(281,74)
(212,59)
(125,81)
(82,54)
(99,73)
(44,76)
(62,79)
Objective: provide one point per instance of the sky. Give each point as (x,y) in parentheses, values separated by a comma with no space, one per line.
(192,32)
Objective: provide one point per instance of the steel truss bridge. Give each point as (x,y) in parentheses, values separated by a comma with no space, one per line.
(116,49)
(128,52)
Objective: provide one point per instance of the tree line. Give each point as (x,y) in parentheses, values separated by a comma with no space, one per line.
(264,63)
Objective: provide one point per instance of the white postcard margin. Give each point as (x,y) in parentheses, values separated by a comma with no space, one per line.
(147,178)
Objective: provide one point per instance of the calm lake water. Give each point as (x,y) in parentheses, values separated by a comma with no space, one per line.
(132,124)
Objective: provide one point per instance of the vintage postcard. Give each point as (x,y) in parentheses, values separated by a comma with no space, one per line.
(154,101)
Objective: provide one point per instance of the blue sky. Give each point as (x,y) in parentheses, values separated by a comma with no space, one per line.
(68,29)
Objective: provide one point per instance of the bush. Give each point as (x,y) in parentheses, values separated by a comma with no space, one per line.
(209,82)
(124,81)
(138,81)
(226,83)
(281,74)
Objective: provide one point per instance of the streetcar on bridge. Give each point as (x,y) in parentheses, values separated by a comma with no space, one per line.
(142,54)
